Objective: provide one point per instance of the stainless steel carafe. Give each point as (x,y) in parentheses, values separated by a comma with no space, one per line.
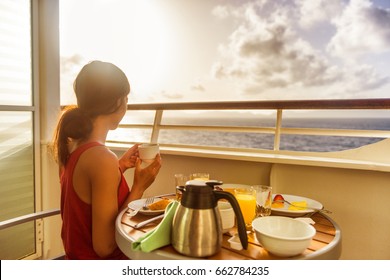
(197,226)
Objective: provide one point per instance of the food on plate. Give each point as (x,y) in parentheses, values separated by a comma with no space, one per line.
(278,201)
(298,205)
(160,204)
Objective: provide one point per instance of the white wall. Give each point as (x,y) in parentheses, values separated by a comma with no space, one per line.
(51,193)
(47,83)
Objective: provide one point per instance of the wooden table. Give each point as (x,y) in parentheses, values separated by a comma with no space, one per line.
(326,244)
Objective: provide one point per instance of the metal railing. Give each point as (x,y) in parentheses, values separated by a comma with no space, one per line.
(278,106)
(28,218)
(32,217)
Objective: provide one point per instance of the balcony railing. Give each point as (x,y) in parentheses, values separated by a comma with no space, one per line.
(278,106)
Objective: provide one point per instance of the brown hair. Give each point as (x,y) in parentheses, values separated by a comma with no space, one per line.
(98,87)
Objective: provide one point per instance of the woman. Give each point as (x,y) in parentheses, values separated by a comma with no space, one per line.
(93,188)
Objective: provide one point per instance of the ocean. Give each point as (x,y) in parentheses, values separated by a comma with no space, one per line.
(262,140)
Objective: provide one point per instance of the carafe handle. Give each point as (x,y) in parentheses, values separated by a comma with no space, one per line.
(237,210)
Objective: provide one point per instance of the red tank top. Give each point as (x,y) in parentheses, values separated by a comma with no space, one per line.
(76,215)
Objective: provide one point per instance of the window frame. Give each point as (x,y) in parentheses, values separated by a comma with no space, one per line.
(45,106)
(35,124)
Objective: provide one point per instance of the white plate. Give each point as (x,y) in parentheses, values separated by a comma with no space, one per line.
(295,213)
(135,204)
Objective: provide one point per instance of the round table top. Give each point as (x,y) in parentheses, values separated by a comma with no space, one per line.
(326,244)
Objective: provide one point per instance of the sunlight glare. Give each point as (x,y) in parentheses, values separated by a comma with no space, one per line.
(138,36)
(151,46)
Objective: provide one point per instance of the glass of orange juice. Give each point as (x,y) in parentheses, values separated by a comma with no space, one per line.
(246,198)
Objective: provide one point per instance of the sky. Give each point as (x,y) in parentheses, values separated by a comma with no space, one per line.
(222,50)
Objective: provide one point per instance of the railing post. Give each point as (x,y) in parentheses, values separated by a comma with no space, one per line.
(156,126)
(278,127)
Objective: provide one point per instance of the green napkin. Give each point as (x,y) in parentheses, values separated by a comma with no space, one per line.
(161,235)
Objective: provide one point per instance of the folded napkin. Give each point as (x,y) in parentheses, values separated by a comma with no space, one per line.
(161,235)
(306,220)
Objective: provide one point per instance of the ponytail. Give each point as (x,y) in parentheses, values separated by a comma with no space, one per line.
(73,125)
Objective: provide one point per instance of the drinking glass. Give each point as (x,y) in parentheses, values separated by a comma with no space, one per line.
(246,198)
(180,180)
(203,176)
(263,200)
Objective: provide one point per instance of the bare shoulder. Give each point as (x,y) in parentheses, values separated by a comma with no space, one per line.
(99,158)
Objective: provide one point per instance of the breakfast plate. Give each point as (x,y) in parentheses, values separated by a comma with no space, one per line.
(135,204)
(285,211)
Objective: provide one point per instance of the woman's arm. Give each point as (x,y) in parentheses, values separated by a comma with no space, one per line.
(143,178)
(105,178)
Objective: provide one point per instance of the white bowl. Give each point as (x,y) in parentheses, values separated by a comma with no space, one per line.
(227,215)
(283,236)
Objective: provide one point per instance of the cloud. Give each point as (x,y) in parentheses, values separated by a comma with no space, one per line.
(220,12)
(171,95)
(268,51)
(198,87)
(364,77)
(361,28)
(218,71)
(314,12)
(70,67)
(72,63)
(265,52)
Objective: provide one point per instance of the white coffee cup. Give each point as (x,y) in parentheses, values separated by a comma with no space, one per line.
(227,215)
(148,152)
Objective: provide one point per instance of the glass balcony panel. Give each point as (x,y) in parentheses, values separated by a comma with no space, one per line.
(16,182)
(15,53)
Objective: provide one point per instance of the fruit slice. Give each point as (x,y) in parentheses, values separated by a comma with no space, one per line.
(278,201)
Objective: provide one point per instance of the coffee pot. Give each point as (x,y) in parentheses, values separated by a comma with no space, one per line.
(197,226)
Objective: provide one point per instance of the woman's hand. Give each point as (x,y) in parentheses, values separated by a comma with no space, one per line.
(129,159)
(144,177)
